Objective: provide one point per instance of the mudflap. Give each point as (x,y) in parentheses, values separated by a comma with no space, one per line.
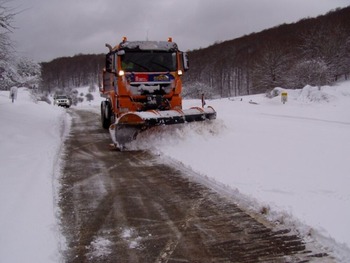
(128,126)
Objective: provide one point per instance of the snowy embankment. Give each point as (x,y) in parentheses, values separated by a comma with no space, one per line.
(290,160)
(31,137)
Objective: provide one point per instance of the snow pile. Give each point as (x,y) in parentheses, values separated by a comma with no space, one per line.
(315,94)
(100,248)
(31,135)
(131,237)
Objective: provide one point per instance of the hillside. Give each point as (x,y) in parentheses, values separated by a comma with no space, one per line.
(314,51)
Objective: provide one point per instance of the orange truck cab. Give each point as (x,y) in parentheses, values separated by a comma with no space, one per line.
(141,76)
(142,85)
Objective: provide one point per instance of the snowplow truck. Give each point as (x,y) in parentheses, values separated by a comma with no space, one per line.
(142,86)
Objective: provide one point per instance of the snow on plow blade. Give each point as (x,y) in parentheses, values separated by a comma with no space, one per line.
(126,128)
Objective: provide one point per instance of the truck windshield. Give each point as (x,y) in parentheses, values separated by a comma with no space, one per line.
(149,61)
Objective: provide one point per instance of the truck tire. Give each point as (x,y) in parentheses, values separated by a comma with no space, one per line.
(105,114)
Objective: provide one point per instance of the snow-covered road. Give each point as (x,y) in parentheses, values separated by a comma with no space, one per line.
(291,159)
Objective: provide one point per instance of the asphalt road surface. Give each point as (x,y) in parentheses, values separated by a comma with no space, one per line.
(129,207)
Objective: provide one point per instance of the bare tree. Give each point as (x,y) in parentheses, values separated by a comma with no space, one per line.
(269,71)
(7,72)
(6,19)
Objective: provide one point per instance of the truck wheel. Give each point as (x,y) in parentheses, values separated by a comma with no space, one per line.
(105,114)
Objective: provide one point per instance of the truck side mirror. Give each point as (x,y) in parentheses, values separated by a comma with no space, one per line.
(185,61)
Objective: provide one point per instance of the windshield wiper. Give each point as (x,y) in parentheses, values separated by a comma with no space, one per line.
(139,65)
(161,65)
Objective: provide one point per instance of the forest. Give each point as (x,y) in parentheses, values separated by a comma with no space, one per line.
(70,72)
(314,51)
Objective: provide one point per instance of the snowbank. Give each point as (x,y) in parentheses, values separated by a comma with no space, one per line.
(31,136)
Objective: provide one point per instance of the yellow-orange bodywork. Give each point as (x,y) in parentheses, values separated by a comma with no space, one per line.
(116,87)
(142,86)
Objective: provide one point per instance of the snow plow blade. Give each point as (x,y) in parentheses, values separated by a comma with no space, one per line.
(128,126)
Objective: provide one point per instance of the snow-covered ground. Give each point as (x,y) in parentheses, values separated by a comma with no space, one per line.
(31,138)
(291,160)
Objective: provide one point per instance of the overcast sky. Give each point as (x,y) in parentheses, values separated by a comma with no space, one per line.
(47,29)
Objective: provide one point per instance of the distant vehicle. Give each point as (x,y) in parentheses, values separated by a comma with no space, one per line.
(62,100)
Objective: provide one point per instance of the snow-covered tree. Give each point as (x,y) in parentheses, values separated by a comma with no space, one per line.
(313,72)
(29,72)
(8,75)
(13,70)
(6,20)
(19,72)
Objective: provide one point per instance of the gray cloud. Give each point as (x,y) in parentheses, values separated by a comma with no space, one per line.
(51,28)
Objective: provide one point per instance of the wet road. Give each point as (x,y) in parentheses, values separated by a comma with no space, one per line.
(129,207)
